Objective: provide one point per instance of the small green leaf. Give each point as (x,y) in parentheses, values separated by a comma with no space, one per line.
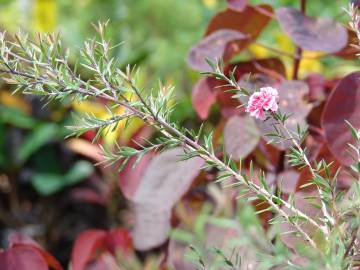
(35,140)
(49,183)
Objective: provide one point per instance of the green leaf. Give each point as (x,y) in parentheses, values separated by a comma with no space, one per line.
(39,137)
(49,183)
(16,118)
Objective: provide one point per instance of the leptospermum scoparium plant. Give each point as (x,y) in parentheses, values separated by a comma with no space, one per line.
(313,226)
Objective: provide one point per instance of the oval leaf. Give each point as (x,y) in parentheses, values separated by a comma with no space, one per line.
(343,104)
(288,237)
(204,96)
(85,248)
(212,47)
(313,34)
(118,240)
(237,5)
(241,136)
(165,181)
(130,176)
(251,21)
(105,262)
(291,102)
(22,258)
(18,239)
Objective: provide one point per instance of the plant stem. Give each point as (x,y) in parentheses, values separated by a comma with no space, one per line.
(298,49)
(307,163)
(151,117)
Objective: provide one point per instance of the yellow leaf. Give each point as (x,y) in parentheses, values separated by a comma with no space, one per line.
(86,149)
(18,102)
(45,15)
(110,134)
(310,65)
(259,51)
(92,108)
(210,3)
(284,43)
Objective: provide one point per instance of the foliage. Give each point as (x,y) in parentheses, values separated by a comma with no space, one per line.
(297,190)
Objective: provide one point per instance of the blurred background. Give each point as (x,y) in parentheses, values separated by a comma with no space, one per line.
(49,187)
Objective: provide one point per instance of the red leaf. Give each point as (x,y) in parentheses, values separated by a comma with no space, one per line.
(250,21)
(164,182)
(322,152)
(269,69)
(314,34)
(343,104)
(272,67)
(288,181)
(207,89)
(22,258)
(317,84)
(105,262)
(237,5)
(130,176)
(96,191)
(291,101)
(217,236)
(212,47)
(241,136)
(18,239)
(88,195)
(140,136)
(204,95)
(350,51)
(356,3)
(85,247)
(229,106)
(118,240)
(291,239)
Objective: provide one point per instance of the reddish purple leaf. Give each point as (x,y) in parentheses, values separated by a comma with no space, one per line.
(18,239)
(152,226)
(250,21)
(93,246)
(85,247)
(203,96)
(356,3)
(164,182)
(118,240)
(88,195)
(208,91)
(229,106)
(22,258)
(288,181)
(220,237)
(105,262)
(272,67)
(21,238)
(237,5)
(288,237)
(343,104)
(130,176)
(291,102)
(241,136)
(141,136)
(350,51)
(314,34)
(212,47)
(317,85)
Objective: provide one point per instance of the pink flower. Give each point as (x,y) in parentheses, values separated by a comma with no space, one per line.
(264,100)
